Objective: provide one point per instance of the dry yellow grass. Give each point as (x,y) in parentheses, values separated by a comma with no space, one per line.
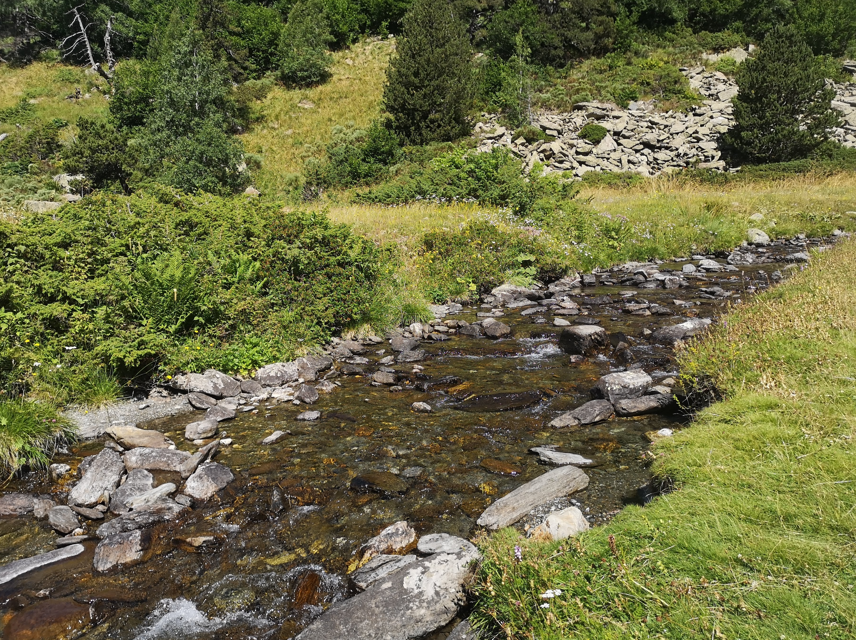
(788,202)
(46,85)
(290,133)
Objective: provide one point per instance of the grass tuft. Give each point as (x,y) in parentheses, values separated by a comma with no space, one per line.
(29,435)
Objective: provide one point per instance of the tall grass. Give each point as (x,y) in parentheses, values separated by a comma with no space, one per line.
(29,435)
(759,539)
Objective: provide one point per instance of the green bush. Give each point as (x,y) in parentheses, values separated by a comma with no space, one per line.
(356,157)
(495,178)
(144,286)
(593,133)
(471,260)
(100,152)
(531,134)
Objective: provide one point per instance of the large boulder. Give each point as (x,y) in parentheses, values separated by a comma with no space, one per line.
(132,437)
(590,413)
(496,329)
(583,339)
(277,374)
(400,343)
(682,331)
(309,367)
(212,383)
(622,385)
(553,484)
(121,549)
(207,480)
(101,478)
(409,603)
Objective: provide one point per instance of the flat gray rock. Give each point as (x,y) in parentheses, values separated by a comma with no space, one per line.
(155,459)
(94,423)
(138,482)
(682,331)
(121,549)
(646,404)
(101,477)
(207,480)
(623,385)
(400,343)
(132,437)
(496,329)
(379,567)
(212,383)
(590,413)
(142,518)
(63,520)
(220,413)
(553,484)
(308,416)
(409,603)
(12,570)
(307,394)
(277,374)
(202,401)
(201,430)
(559,458)
(444,543)
(464,631)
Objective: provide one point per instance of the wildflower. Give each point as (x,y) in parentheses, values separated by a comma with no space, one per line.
(518,553)
(37,345)
(545,606)
(551,593)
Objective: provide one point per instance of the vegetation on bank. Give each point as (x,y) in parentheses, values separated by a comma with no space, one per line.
(29,434)
(756,540)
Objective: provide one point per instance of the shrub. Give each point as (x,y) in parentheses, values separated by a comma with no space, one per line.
(356,157)
(303,57)
(783,111)
(100,153)
(430,81)
(593,133)
(531,134)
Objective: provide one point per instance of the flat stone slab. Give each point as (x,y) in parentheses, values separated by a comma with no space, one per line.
(132,437)
(553,484)
(550,456)
(444,543)
(142,518)
(121,549)
(212,383)
(379,567)
(207,480)
(589,413)
(101,477)
(682,331)
(96,422)
(646,404)
(409,603)
(16,504)
(12,570)
(155,459)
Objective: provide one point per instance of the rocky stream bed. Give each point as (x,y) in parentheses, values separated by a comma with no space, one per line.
(347,484)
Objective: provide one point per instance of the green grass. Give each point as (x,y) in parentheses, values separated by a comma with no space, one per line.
(759,539)
(29,434)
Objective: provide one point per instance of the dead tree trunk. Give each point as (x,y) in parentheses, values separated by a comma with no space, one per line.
(80,39)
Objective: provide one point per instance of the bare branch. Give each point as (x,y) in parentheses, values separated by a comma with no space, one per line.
(111,60)
(80,38)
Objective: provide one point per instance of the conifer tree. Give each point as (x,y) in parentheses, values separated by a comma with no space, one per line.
(783,111)
(430,81)
(304,60)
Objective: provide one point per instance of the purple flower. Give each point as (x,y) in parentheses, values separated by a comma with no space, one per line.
(518,553)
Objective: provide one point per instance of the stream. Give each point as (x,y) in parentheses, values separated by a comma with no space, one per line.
(278,542)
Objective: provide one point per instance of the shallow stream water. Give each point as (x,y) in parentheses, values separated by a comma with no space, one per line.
(285,532)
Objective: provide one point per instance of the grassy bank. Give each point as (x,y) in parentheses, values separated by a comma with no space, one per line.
(758,539)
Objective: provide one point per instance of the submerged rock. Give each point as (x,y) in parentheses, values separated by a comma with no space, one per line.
(550,456)
(16,504)
(101,478)
(553,484)
(54,618)
(590,413)
(409,603)
(379,482)
(501,401)
(9,572)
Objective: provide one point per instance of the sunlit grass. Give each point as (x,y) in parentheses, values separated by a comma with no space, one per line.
(29,434)
(757,541)
(290,133)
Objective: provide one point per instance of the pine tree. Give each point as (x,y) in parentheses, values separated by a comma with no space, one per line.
(304,60)
(430,82)
(783,111)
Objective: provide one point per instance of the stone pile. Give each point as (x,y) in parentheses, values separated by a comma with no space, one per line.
(641,140)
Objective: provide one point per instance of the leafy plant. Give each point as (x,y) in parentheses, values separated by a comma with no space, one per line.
(303,57)
(593,133)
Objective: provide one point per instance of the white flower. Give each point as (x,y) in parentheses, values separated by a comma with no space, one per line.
(551,593)
(545,606)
